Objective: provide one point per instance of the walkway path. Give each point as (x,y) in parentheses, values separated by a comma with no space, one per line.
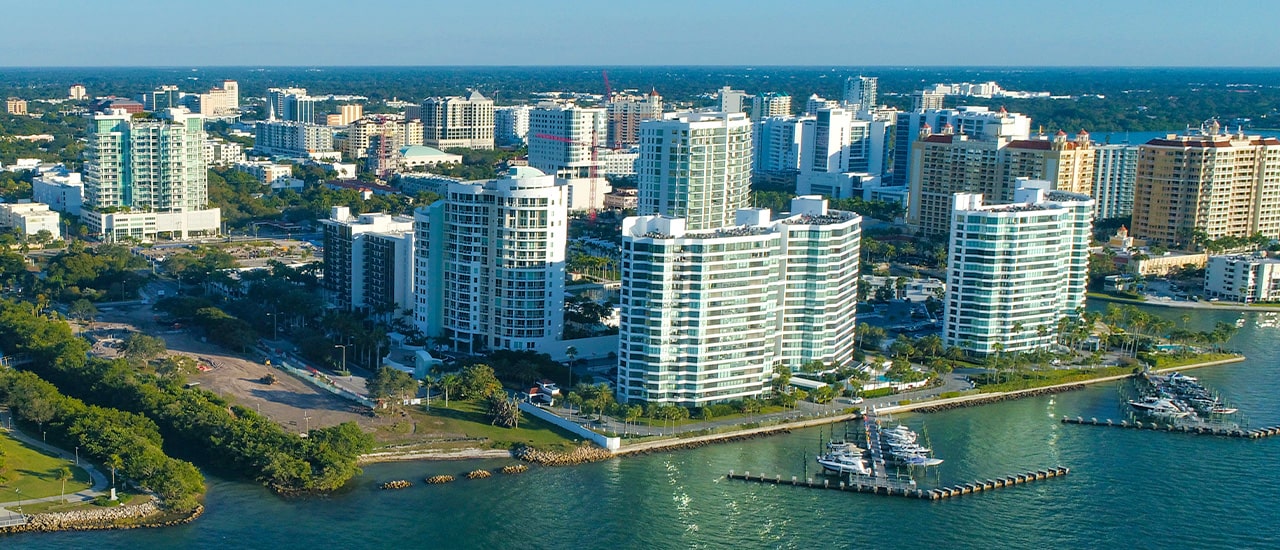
(1159,301)
(953,382)
(99,481)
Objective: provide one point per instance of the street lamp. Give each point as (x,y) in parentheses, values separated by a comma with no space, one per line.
(344,356)
(77,455)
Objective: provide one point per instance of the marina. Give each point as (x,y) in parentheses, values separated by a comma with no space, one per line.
(1256,433)
(887,487)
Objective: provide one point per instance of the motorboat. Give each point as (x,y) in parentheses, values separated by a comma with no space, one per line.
(1223,410)
(1158,406)
(843,447)
(842,463)
(915,460)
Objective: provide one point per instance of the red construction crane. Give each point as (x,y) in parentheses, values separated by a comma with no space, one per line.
(591,170)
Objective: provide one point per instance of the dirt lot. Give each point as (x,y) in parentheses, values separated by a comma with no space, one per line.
(292,403)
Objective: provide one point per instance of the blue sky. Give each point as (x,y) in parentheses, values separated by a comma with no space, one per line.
(643,32)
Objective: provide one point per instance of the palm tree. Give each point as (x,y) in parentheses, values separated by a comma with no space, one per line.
(450,383)
(115,463)
(63,474)
(426,383)
(571,353)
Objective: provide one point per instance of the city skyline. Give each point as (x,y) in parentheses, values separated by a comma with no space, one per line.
(665,33)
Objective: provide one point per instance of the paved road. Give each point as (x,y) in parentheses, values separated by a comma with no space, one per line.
(99,481)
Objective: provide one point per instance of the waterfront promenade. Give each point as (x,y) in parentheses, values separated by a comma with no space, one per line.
(884,406)
(97,489)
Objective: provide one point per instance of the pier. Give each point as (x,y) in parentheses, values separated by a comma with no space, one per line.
(880,486)
(1256,433)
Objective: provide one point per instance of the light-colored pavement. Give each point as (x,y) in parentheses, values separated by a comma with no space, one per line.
(955,381)
(99,481)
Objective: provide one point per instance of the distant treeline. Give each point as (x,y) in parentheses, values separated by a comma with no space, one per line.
(1135,99)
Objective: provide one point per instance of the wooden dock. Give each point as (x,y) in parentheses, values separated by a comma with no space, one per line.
(891,488)
(1256,433)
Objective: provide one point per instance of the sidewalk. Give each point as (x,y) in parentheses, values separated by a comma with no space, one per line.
(99,481)
(954,381)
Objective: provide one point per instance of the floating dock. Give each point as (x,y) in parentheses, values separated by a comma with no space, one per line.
(1256,433)
(876,486)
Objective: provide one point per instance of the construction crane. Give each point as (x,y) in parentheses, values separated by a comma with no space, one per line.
(591,170)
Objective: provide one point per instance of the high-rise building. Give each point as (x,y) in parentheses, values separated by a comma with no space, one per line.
(825,141)
(562,137)
(348,114)
(299,108)
(563,141)
(276,102)
(153,170)
(708,315)
(368,261)
(15,106)
(1219,184)
(947,163)
(289,138)
(770,104)
(974,122)
(449,122)
(731,101)
(511,125)
(76,92)
(1114,173)
(221,101)
(695,166)
(1014,270)
(165,97)
(1068,164)
(490,263)
(625,114)
(817,103)
(860,93)
(925,100)
(399,133)
(778,142)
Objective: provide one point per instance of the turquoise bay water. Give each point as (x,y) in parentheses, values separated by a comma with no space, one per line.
(1127,489)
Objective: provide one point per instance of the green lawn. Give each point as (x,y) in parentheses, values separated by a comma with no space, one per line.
(1164,361)
(467,421)
(33,473)
(1039,379)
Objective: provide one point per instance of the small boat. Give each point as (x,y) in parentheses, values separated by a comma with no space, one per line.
(916,460)
(1223,410)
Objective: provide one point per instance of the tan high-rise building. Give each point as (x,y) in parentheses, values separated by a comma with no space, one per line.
(625,114)
(1221,184)
(399,134)
(350,113)
(449,122)
(15,106)
(1067,164)
(948,163)
(76,92)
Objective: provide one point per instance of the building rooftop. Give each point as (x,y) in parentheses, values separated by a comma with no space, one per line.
(832,217)
(422,151)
